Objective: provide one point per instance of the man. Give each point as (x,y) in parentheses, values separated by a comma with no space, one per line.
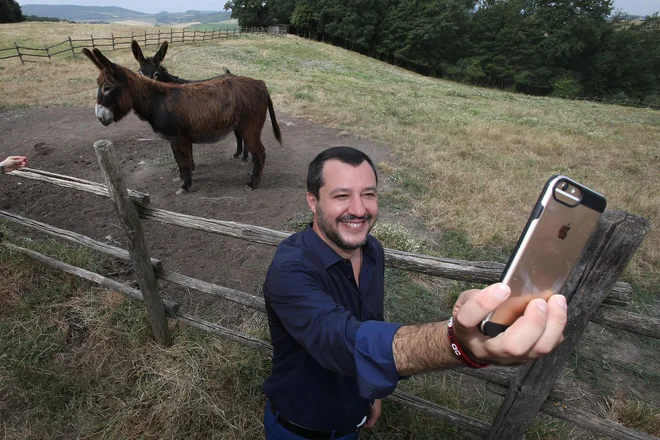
(333,357)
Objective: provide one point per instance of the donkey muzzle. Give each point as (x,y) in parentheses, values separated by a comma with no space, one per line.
(104,115)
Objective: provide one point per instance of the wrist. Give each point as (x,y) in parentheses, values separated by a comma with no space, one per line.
(458,350)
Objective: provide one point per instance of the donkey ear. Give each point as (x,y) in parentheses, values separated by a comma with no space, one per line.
(105,63)
(137,52)
(92,58)
(158,58)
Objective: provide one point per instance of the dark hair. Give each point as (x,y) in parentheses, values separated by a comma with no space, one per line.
(348,155)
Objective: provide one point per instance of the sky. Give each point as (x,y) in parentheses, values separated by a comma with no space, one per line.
(635,7)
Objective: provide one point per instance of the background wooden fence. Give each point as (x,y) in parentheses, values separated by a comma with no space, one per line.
(74,46)
(593,290)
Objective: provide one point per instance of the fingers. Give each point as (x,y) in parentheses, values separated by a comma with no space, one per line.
(554,328)
(474,305)
(523,334)
(534,334)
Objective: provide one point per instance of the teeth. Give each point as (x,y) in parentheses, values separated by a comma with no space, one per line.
(353,225)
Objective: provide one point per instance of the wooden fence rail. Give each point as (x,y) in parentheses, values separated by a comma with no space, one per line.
(528,389)
(117,41)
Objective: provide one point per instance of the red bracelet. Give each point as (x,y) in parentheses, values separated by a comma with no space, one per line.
(458,351)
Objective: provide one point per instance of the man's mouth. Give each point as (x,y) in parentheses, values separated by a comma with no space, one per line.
(355,223)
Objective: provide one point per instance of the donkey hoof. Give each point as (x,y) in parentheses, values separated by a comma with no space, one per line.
(248,187)
(181,191)
(177,179)
(244,163)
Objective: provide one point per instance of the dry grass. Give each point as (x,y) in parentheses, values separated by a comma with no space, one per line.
(482,155)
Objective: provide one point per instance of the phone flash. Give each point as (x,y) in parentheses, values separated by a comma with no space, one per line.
(572,191)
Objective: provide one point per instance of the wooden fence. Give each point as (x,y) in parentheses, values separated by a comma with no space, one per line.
(73,46)
(593,290)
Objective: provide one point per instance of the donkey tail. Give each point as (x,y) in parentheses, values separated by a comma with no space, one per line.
(273,120)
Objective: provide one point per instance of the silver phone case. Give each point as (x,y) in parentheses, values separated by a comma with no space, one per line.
(550,246)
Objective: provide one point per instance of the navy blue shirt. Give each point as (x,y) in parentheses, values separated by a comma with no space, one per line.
(332,354)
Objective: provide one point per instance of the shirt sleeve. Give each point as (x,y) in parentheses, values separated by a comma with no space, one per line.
(329,333)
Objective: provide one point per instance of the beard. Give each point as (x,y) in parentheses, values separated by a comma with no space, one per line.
(332,230)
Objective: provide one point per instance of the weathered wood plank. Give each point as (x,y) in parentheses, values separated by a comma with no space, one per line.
(617,237)
(498,377)
(137,245)
(593,423)
(471,271)
(624,320)
(137,197)
(236,296)
(211,327)
(171,307)
(75,238)
(452,417)
(584,419)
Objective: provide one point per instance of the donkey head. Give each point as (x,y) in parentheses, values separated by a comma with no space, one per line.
(149,67)
(113,97)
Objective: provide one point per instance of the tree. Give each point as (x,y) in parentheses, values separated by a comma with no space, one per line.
(250,13)
(10,12)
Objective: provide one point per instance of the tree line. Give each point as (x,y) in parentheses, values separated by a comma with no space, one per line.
(10,12)
(539,47)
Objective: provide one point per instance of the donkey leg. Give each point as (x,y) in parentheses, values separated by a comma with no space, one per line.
(185,153)
(239,143)
(177,158)
(259,159)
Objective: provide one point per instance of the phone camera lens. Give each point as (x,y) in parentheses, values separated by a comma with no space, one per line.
(564,186)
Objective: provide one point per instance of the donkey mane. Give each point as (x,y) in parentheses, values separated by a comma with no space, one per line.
(200,112)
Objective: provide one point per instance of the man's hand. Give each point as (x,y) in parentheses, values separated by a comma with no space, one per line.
(13,163)
(374,414)
(534,334)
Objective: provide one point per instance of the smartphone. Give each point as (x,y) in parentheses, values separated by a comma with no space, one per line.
(556,233)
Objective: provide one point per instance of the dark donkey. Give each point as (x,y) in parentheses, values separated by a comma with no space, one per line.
(201,112)
(151,67)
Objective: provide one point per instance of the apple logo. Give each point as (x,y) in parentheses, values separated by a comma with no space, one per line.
(563,231)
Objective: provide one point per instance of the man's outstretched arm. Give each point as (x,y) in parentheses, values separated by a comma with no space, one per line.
(420,348)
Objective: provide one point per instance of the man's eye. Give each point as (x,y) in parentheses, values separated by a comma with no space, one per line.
(106,89)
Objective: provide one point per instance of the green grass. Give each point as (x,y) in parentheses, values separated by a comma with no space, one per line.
(222,25)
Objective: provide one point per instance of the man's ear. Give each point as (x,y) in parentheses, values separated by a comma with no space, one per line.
(311,202)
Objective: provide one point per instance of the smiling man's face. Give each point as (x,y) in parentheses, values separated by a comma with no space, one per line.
(347,207)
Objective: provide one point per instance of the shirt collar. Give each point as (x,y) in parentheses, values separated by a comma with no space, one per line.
(328,255)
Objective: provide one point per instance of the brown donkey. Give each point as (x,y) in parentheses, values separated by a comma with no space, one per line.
(151,67)
(201,112)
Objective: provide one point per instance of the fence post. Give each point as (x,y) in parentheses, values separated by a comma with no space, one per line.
(92,37)
(137,246)
(145,37)
(47,53)
(19,53)
(617,237)
(113,41)
(73,53)
(158,37)
(171,35)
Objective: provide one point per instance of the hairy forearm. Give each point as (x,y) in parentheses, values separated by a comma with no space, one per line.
(424,347)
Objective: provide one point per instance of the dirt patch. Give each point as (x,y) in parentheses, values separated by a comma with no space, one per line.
(60,140)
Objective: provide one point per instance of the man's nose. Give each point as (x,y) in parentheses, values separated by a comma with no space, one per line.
(356,207)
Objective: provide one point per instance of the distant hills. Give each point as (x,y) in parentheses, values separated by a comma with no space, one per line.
(110,14)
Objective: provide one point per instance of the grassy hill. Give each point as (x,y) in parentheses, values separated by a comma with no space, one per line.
(469,163)
(111,14)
